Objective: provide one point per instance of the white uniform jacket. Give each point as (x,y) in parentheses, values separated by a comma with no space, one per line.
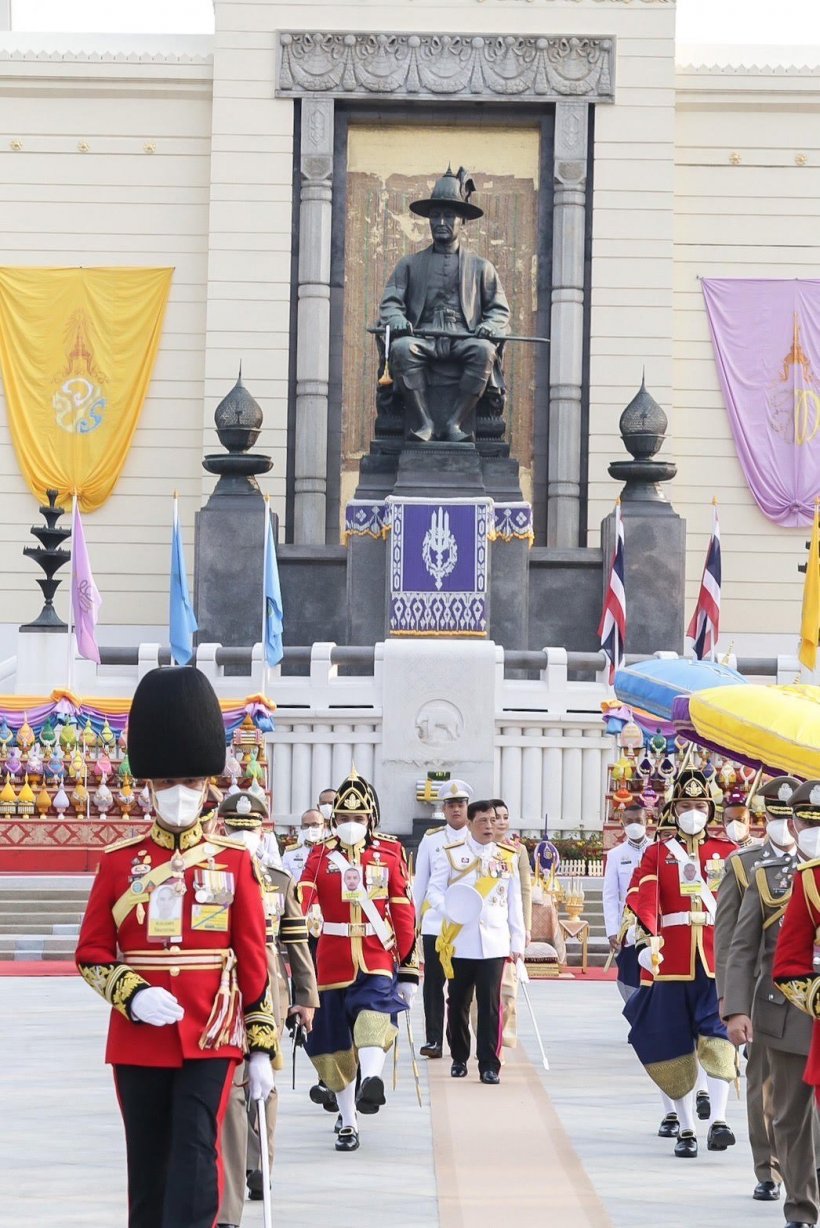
(499,929)
(294,858)
(430,852)
(620,866)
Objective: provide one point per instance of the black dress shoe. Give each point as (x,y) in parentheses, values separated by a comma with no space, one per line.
(686,1148)
(255,1186)
(766,1191)
(430,1050)
(337,1125)
(322,1095)
(669,1127)
(703,1106)
(347,1139)
(490,1076)
(719,1137)
(458,1070)
(370,1096)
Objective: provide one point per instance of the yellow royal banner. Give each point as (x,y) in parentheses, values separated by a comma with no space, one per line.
(77,349)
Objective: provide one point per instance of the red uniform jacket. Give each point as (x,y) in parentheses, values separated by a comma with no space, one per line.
(794,971)
(118,959)
(655,893)
(340,957)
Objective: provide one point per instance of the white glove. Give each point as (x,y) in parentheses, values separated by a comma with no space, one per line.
(645,960)
(260,1076)
(521,969)
(629,938)
(407,991)
(156,1006)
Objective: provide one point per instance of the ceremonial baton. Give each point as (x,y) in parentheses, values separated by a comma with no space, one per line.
(267,1210)
(433,333)
(524,977)
(413,1061)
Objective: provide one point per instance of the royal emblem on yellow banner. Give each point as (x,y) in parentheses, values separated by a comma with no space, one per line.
(77,349)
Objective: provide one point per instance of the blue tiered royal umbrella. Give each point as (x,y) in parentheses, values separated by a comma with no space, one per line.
(653,686)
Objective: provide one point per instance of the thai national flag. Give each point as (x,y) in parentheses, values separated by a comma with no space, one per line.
(704,628)
(612,628)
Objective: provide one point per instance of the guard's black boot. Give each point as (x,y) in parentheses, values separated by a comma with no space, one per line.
(719,1137)
(669,1127)
(419,424)
(686,1148)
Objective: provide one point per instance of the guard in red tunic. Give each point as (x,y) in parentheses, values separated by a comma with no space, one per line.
(365,958)
(796,969)
(675,1020)
(174,939)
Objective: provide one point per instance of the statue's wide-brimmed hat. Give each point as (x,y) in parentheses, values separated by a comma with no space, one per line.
(453,190)
(175,727)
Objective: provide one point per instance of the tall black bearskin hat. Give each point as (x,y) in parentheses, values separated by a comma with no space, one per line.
(355,795)
(175,727)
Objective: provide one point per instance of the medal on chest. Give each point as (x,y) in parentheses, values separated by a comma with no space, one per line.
(213,896)
(715,872)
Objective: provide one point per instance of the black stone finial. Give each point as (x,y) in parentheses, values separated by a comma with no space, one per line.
(238,419)
(51,557)
(643,427)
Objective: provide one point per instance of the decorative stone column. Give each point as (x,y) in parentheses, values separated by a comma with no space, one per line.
(313,322)
(567,324)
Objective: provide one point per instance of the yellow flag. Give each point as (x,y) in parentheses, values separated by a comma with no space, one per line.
(810,618)
(77,349)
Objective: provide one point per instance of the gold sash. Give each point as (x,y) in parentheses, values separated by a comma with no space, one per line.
(129,900)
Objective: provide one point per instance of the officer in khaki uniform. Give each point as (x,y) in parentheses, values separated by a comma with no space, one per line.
(286,936)
(756,1010)
(740,869)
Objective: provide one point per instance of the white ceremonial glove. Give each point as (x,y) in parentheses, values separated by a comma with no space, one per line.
(260,1076)
(645,960)
(521,969)
(629,937)
(155,1006)
(407,991)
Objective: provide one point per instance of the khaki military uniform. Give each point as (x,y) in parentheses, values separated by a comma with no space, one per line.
(740,868)
(286,938)
(780,1027)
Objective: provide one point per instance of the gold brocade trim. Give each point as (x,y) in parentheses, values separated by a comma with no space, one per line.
(677,1077)
(262,1038)
(810,892)
(803,992)
(770,901)
(373,1029)
(117,983)
(336,1070)
(182,840)
(718,1057)
(739,871)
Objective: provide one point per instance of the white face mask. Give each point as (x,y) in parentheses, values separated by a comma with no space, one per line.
(351,833)
(736,830)
(635,831)
(179,806)
(311,835)
(779,833)
(326,810)
(808,841)
(691,822)
(250,839)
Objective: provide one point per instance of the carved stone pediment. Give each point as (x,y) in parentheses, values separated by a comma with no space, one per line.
(505,67)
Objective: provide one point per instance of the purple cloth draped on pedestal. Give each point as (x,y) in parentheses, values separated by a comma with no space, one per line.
(766,339)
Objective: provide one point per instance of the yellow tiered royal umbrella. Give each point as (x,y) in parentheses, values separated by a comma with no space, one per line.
(775,726)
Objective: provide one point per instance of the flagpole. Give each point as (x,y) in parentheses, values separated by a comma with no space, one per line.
(70,661)
(264,600)
(715,630)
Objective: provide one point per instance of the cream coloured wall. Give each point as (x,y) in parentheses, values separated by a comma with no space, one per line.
(114,204)
(758,218)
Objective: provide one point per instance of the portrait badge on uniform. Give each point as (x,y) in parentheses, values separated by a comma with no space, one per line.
(165,914)
(715,872)
(352,889)
(690,877)
(375,877)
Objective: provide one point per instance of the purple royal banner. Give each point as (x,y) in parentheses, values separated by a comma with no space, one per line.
(438,566)
(766,339)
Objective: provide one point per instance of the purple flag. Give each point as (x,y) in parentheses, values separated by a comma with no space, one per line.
(85,598)
(766,338)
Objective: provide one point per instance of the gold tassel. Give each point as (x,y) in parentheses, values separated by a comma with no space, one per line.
(225,1024)
(446,947)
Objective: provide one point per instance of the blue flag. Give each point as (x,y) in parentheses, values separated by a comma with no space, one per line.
(181,617)
(274,618)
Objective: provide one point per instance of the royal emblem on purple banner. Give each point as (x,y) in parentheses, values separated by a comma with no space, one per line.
(438,566)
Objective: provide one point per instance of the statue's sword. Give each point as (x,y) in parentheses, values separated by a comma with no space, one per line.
(433,333)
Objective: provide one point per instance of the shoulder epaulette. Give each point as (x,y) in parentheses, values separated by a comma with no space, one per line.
(385,835)
(225,842)
(290,843)
(808,865)
(508,847)
(433,831)
(125,842)
(455,845)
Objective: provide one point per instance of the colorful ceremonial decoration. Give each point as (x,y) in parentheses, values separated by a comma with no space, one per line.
(77,349)
(66,788)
